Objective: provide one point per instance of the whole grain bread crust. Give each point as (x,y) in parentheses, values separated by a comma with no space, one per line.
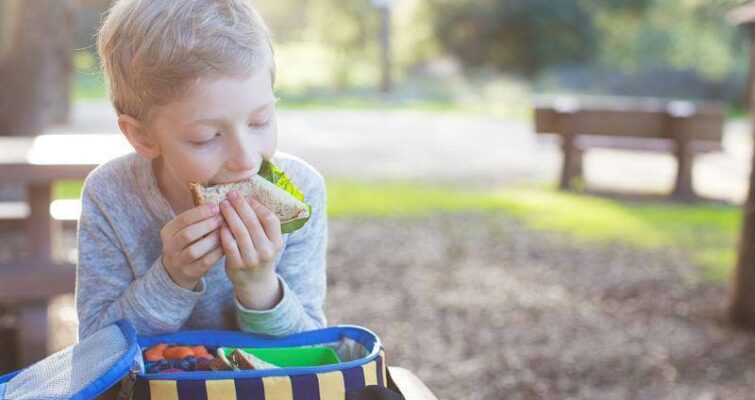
(196,194)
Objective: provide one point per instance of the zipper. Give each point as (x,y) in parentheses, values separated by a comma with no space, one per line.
(128,387)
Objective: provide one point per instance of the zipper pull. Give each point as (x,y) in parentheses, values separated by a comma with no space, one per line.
(128,387)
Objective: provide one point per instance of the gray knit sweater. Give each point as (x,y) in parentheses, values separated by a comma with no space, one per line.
(120,272)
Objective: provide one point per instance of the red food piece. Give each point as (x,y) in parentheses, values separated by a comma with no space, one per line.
(178,352)
(155,353)
(201,352)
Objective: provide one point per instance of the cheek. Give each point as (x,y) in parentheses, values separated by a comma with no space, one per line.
(194,166)
(271,141)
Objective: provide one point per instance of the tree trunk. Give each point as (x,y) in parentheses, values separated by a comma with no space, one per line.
(36,65)
(742,301)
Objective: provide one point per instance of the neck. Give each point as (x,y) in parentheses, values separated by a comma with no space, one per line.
(178,197)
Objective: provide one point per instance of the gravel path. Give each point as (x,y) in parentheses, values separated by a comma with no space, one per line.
(480,307)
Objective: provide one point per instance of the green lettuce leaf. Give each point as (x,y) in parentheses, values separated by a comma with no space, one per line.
(272,173)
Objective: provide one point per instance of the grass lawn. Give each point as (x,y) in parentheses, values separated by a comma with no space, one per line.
(707,232)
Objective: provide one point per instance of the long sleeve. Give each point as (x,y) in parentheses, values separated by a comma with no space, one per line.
(108,290)
(302,275)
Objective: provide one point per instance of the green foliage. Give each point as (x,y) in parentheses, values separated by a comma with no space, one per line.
(531,35)
(698,37)
(516,35)
(525,36)
(350,27)
(347,25)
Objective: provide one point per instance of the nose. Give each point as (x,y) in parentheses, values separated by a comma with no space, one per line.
(242,156)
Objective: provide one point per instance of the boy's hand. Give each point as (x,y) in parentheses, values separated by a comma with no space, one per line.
(191,244)
(251,240)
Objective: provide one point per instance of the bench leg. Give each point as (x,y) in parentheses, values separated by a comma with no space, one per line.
(683,190)
(32,333)
(572,163)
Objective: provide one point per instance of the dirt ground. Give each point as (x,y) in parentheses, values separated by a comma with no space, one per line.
(480,307)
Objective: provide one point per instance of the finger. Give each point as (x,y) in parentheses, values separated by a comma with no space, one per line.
(230,247)
(192,233)
(240,233)
(189,217)
(199,248)
(261,243)
(199,267)
(270,222)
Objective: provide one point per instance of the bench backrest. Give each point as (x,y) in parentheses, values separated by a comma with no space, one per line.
(630,118)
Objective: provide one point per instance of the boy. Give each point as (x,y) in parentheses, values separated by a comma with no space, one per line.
(192,84)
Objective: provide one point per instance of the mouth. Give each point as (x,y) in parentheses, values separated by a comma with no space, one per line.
(227,181)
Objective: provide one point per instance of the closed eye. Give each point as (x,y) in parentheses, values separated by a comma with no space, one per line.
(261,125)
(205,142)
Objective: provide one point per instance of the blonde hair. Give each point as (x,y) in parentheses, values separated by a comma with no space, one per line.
(152,51)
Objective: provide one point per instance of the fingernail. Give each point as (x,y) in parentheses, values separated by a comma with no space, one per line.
(214,208)
(233,195)
(225,204)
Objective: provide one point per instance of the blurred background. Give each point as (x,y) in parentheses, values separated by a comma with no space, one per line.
(449,236)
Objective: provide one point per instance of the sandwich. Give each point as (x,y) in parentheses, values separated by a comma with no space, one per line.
(244,361)
(271,187)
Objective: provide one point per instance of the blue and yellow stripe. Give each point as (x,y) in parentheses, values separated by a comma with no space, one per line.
(324,386)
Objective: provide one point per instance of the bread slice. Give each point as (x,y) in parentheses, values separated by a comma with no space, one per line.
(283,204)
(245,361)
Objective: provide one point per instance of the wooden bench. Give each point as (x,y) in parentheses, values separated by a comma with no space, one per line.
(678,127)
(28,284)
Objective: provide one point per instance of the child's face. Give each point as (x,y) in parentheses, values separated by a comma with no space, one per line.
(220,131)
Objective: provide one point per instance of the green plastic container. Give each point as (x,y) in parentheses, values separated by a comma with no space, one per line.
(291,356)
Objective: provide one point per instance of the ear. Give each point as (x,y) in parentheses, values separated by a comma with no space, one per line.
(137,135)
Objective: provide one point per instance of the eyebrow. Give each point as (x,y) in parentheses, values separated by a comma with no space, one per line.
(219,121)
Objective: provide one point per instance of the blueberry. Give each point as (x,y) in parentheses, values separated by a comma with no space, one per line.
(191,359)
(163,363)
(184,365)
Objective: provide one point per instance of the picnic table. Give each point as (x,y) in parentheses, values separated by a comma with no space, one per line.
(682,128)
(28,284)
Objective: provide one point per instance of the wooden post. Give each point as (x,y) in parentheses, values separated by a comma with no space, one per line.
(40,232)
(40,236)
(567,118)
(678,116)
(742,292)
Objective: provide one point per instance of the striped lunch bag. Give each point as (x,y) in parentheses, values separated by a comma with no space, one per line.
(114,355)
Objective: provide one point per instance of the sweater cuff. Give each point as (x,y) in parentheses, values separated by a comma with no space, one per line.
(276,321)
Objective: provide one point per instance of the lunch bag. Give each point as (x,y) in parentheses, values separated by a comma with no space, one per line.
(114,354)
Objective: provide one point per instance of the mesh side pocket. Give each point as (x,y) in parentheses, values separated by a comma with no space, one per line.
(69,371)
